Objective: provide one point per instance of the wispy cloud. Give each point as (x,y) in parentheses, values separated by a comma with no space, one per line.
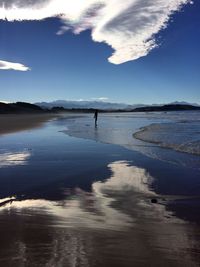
(5,65)
(128,26)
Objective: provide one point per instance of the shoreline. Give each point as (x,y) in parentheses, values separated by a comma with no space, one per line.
(156,134)
(11,123)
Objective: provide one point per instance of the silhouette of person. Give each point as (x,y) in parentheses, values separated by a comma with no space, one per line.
(96,117)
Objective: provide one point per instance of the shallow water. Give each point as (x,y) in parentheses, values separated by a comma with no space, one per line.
(67,201)
(174,130)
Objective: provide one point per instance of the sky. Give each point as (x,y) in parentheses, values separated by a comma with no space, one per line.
(129,51)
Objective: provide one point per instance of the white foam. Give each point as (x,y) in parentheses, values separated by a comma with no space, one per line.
(180,136)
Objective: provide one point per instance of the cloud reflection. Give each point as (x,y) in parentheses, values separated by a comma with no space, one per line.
(14,158)
(95,228)
(101,208)
(125,178)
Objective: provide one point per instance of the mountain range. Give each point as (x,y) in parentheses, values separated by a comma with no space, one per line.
(102,105)
(87,106)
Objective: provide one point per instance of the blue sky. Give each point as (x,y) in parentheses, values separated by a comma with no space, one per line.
(71,66)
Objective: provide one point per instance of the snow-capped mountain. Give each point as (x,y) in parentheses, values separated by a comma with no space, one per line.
(102,105)
(68,104)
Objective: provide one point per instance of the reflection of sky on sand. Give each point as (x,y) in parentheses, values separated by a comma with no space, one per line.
(95,209)
(82,226)
(125,178)
(80,208)
(14,158)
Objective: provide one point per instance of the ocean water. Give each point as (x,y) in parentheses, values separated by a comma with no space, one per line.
(75,195)
(147,133)
(183,136)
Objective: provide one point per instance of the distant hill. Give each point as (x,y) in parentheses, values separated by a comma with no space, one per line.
(183,103)
(19,107)
(170,107)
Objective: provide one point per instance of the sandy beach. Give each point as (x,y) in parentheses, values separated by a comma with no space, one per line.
(14,122)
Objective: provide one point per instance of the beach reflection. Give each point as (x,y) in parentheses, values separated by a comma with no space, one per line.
(95,209)
(8,159)
(115,224)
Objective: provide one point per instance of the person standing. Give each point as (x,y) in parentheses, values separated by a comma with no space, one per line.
(96,117)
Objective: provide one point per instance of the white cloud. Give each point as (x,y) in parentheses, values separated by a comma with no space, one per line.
(128,26)
(5,102)
(100,99)
(5,65)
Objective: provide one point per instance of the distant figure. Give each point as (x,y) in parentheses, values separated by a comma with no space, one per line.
(96,117)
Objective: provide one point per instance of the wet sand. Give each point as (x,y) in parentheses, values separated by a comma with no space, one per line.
(11,123)
(114,224)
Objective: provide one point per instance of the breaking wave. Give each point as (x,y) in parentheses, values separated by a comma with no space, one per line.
(180,136)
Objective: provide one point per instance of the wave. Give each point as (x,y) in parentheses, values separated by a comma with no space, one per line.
(180,136)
